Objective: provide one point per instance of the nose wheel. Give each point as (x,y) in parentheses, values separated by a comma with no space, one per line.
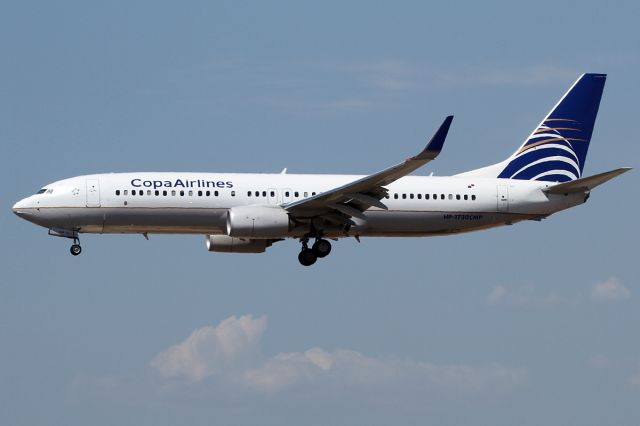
(308,256)
(75,249)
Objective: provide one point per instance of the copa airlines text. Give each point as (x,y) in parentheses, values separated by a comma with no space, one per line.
(247,213)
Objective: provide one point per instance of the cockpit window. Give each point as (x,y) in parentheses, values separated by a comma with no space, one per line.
(49,191)
(42,191)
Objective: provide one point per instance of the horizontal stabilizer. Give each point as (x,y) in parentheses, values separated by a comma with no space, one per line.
(585,184)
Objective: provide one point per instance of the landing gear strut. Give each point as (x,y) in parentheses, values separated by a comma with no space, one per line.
(308,256)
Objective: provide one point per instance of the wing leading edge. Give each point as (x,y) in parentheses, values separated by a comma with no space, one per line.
(350,200)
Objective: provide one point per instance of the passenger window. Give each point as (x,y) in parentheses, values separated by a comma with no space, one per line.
(411,196)
(395,196)
(191,193)
(296,194)
(173,192)
(157,192)
(257,193)
(404,196)
(286,194)
(248,193)
(148,192)
(435,196)
(419,196)
(126,192)
(233,193)
(182,193)
(386,196)
(426,196)
(442,196)
(306,194)
(466,197)
(164,193)
(117,192)
(214,193)
(208,193)
(199,193)
(313,194)
(457,196)
(273,194)
(473,197)
(133,192)
(264,193)
(450,197)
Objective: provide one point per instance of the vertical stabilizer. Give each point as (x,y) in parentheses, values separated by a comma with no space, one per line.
(557,149)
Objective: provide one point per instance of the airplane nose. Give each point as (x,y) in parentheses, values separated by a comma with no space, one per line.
(19,208)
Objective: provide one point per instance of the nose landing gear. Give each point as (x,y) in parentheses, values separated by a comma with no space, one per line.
(75,248)
(308,256)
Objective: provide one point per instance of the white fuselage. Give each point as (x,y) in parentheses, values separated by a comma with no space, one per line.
(197,203)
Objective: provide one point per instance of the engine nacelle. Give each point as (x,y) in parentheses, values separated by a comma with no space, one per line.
(226,244)
(257,222)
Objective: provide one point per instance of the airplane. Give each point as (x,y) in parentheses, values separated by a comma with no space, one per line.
(247,213)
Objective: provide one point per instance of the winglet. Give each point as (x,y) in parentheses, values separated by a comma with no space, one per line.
(434,146)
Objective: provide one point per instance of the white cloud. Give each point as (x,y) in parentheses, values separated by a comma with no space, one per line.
(222,351)
(390,75)
(598,361)
(395,75)
(350,368)
(609,290)
(529,75)
(209,349)
(497,295)
(521,296)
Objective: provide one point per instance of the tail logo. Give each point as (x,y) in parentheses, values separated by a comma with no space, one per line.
(549,153)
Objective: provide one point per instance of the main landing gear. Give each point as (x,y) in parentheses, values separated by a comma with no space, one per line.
(320,248)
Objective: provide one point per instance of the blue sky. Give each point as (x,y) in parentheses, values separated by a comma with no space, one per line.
(530,324)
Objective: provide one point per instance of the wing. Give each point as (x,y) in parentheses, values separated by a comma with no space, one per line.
(338,205)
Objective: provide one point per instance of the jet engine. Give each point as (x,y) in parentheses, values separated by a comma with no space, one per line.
(257,222)
(226,244)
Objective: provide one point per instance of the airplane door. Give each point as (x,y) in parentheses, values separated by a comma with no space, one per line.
(93,193)
(503,198)
(272,195)
(286,195)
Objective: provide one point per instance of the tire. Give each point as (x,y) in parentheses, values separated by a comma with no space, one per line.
(307,257)
(75,249)
(321,248)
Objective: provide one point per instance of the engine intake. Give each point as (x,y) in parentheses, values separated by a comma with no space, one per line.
(257,222)
(226,244)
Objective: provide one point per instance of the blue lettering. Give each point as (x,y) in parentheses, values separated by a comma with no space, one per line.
(137,185)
